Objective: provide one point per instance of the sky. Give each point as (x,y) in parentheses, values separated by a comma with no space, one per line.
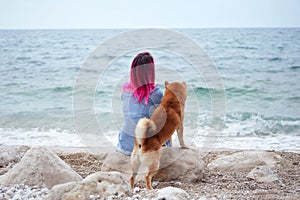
(69,14)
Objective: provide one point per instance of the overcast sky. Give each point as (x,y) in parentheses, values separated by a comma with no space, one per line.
(148,14)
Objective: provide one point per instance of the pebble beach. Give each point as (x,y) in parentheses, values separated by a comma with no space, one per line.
(216,183)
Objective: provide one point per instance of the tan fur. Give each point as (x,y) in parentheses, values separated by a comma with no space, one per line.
(152,133)
(140,130)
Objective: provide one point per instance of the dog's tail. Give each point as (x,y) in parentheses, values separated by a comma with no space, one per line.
(143,126)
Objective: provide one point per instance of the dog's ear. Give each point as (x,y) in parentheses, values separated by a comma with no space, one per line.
(184,84)
(166,83)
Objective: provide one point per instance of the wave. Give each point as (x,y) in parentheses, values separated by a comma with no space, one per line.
(295,67)
(255,124)
(49,90)
(274,59)
(43,90)
(37,62)
(248,130)
(201,90)
(63,58)
(246,47)
(62,89)
(232,91)
(238,126)
(39,137)
(23,58)
(295,99)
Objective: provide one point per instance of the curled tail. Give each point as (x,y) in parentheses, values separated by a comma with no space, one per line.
(141,129)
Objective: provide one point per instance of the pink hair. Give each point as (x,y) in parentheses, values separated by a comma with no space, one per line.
(142,77)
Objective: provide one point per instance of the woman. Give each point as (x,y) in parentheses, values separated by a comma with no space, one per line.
(140,98)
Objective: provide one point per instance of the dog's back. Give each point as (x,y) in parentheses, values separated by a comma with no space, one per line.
(151,134)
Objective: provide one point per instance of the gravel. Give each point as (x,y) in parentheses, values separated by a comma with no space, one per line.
(215,185)
(22,192)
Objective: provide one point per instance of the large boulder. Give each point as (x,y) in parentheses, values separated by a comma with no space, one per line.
(39,167)
(116,161)
(245,160)
(178,164)
(98,185)
(168,193)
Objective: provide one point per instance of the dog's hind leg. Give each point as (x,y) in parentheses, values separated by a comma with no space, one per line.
(180,136)
(153,166)
(135,165)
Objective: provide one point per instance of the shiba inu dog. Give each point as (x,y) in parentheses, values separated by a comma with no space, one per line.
(151,134)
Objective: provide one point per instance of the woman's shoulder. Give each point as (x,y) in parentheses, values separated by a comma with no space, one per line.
(156,91)
(156,95)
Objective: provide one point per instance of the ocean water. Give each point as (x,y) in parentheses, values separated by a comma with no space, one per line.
(260,70)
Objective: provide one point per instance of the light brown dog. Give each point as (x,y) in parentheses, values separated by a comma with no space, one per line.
(151,134)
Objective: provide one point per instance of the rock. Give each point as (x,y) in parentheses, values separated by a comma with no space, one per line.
(262,174)
(136,190)
(155,183)
(116,161)
(6,169)
(100,184)
(93,197)
(136,196)
(40,167)
(178,164)
(9,154)
(168,193)
(178,183)
(59,190)
(184,165)
(244,160)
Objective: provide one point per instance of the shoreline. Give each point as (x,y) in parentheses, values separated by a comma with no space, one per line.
(103,150)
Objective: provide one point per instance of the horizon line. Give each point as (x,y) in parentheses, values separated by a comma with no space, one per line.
(131,28)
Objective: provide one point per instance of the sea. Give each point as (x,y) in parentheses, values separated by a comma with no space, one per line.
(259,69)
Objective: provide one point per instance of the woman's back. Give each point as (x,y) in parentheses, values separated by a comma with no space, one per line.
(132,112)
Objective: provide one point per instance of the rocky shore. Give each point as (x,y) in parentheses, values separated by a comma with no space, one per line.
(49,173)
